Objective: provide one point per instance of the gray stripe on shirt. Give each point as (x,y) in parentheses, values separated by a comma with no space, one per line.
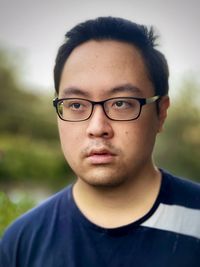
(177,219)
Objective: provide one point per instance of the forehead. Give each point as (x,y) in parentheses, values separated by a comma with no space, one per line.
(99,66)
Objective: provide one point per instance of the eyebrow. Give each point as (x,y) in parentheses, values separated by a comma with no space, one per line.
(74,91)
(126,88)
(115,90)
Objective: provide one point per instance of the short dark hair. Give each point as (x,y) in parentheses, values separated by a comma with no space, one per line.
(112,28)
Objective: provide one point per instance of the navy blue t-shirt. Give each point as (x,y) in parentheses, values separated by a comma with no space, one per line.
(56,234)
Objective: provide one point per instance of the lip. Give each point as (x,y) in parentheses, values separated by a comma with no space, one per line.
(100,156)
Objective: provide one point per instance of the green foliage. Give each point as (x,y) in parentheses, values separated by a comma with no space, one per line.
(23,112)
(29,146)
(10,210)
(178,148)
(25,160)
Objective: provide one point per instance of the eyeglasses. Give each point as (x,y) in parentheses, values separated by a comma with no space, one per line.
(116,109)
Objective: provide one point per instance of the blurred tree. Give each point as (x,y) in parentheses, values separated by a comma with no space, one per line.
(178,148)
(23,112)
(29,145)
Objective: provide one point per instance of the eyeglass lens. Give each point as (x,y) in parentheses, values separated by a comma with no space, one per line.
(116,109)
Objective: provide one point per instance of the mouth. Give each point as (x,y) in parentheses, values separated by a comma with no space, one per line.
(100,156)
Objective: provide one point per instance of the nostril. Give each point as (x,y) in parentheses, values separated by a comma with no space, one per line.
(99,134)
(103,130)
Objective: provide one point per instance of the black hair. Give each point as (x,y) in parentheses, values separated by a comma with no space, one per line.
(112,28)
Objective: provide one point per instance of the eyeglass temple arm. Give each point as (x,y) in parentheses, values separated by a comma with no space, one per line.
(152,99)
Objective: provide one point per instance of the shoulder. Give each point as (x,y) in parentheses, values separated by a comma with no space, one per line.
(39,216)
(178,209)
(33,230)
(181,191)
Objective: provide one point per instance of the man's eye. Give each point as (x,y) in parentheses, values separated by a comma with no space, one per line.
(121,104)
(75,105)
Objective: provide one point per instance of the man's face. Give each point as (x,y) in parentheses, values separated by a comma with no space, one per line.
(100,151)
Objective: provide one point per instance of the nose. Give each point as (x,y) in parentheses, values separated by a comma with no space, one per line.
(99,125)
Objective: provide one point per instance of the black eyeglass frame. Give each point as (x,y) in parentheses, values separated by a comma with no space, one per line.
(142,101)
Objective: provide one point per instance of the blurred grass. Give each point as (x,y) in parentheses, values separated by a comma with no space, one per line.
(28,167)
(10,210)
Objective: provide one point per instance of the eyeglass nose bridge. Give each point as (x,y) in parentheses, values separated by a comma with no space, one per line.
(101,103)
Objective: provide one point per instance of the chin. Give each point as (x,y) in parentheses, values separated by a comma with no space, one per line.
(109,184)
(103,180)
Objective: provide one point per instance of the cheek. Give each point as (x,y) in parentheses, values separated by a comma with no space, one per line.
(70,139)
(130,138)
(139,137)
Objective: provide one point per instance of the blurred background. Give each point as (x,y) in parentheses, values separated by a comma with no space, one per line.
(31,163)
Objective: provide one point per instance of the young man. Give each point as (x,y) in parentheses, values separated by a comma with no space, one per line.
(112,87)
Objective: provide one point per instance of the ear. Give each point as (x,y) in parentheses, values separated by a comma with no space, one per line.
(163,106)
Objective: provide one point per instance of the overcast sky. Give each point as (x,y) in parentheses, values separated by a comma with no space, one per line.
(36,29)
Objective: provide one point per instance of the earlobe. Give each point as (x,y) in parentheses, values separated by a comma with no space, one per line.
(164,104)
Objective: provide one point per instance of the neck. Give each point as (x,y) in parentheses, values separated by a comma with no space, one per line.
(118,206)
